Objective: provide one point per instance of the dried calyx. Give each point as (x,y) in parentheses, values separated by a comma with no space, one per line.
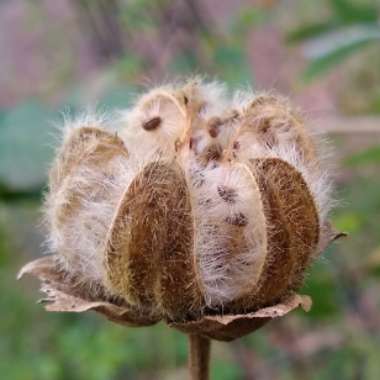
(190,205)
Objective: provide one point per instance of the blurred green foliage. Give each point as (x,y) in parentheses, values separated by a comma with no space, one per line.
(350,28)
(36,345)
(368,156)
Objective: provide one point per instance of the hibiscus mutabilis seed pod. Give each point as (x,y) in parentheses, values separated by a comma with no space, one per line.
(202,211)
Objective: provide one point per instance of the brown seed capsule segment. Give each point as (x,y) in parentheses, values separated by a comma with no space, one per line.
(179,293)
(90,144)
(275,123)
(86,147)
(78,178)
(293,229)
(149,249)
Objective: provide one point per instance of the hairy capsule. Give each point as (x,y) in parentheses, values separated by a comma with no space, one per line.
(190,203)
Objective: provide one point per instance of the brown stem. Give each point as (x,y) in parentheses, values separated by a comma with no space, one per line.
(199,357)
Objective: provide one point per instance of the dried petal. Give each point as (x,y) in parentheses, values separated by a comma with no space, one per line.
(328,236)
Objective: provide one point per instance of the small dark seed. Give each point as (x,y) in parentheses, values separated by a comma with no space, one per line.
(213,131)
(152,124)
(213,126)
(236,145)
(213,152)
(185,100)
(194,142)
(227,194)
(205,202)
(234,115)
(198,179)
(265,126)
(239,220)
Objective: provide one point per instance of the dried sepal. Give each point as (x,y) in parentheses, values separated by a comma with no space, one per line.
(328,236)
(64,294)
(227,327)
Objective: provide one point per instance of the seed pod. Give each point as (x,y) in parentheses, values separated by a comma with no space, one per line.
(199,208)
(149,249)
(292,227)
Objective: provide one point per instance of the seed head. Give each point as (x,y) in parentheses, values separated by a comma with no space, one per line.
(189,206)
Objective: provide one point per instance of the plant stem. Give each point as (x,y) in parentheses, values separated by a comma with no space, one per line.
(199,357)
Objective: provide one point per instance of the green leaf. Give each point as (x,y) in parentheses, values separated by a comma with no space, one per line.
(331,48)
(12,195)
(349,12)
(320,286)
(365,157)
(330,60)
(349,222)
(225,370)
(309,31)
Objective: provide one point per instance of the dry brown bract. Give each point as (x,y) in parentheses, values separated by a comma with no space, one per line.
(63,296)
